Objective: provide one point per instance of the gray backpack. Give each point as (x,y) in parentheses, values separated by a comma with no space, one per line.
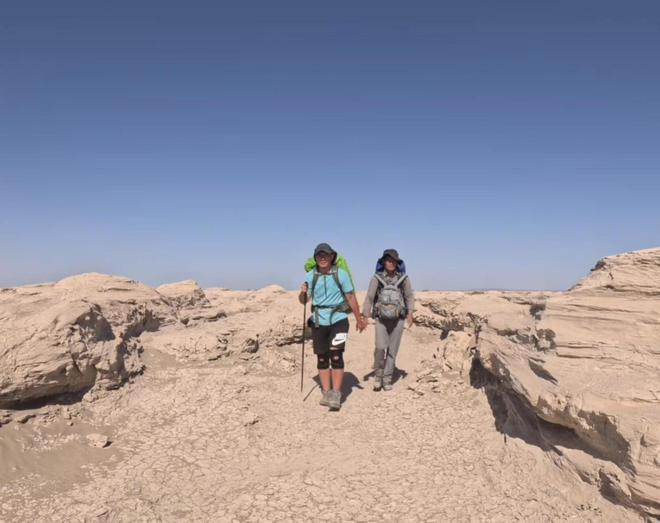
(390,303)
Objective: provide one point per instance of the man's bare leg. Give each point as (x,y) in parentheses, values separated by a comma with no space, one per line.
(337,378)
(324,376)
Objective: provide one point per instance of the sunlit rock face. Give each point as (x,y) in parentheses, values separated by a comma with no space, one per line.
(578,371)
(74,334)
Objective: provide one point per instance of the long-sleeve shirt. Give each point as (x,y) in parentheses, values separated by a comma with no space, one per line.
(406,288)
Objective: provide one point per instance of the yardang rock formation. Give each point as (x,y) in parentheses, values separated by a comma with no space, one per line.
(575,374)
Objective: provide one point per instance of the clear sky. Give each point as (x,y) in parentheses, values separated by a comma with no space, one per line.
(504,144)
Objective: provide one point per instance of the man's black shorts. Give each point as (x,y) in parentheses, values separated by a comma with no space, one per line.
(330,337)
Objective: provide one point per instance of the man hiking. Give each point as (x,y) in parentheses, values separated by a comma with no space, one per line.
(333,296)
(390,300)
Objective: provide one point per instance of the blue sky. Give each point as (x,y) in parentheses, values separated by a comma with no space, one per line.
(496,144)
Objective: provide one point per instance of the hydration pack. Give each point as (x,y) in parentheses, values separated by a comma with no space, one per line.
(390,302)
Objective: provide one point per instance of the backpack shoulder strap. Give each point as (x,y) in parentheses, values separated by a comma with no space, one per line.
(334,272)
(335,276)
(400,280)
(380,279)
(315,280)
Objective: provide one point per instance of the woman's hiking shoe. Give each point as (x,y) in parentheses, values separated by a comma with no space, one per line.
(378,383)
(325,399)
(334,399)
(387,385)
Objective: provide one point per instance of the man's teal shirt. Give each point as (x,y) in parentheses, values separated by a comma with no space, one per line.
(327,294)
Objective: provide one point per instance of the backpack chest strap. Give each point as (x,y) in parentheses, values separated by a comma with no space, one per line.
(394,284)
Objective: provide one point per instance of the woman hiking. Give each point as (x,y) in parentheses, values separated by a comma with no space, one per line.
(333,296)
(390,300)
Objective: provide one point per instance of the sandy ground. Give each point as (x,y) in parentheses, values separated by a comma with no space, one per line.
(236,440)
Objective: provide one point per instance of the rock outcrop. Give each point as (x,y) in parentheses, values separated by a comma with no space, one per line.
(576,372)
(226,322)
(89,330)
(190,303)
(74,334)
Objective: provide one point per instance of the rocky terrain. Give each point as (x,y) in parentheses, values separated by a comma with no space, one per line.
(119,402)
(577,373)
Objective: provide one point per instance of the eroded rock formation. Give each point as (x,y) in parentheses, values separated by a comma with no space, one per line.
(87,331)
(575,372)
(74,334)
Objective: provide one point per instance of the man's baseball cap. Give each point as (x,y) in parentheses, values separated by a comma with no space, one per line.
(324,247)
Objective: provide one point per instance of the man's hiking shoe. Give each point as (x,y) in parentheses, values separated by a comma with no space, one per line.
(334,399)
(378,383)
(325,399)
(387,386)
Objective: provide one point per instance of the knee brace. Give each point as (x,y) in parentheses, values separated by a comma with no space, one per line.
(337,359)
(323,362)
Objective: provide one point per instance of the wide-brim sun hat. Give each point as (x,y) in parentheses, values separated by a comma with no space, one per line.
(390,253)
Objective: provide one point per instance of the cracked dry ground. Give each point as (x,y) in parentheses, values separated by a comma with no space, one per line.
(237,441)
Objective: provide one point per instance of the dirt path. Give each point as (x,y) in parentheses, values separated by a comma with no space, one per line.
(221,442)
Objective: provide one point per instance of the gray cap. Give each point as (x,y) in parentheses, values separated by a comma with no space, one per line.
(324,247)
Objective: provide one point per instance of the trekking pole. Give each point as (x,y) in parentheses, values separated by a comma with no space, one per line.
(302,365)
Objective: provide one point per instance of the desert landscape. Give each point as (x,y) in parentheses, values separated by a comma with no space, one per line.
(122,402)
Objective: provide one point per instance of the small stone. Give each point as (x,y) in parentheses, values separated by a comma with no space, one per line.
(98,440)
(250,418)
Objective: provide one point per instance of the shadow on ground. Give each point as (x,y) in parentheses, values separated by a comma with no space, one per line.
(398,374)
(349,383)
(514,418)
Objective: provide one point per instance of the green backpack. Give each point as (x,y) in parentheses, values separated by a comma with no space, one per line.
(340,263)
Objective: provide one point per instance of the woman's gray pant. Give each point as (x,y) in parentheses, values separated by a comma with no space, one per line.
(388,340)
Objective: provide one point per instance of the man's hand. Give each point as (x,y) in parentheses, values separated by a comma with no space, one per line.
(302,297)
(409,321)
(359,320)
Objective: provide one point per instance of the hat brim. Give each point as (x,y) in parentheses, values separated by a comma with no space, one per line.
(382,258)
